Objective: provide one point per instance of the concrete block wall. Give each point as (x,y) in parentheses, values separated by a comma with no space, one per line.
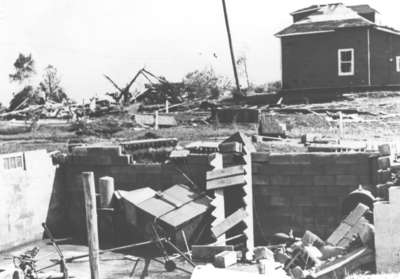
(26,181)
(305,191)
(109,161)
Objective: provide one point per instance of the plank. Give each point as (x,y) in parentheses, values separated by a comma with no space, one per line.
(229,222)
(208,252)
(225,172)
(231,147)
(226,182)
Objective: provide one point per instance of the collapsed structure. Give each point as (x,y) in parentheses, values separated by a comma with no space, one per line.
(299,214)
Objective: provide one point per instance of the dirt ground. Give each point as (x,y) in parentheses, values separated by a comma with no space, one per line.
(378,120)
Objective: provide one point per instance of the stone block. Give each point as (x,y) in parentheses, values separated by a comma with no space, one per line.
(225,259)
(301,180)
(280,159)
(208,252)
(346,180)
(301,159)
(261,180)
(352,158)
(280,180)
(324,180)
(260,157)
(383,162)
(278,201)
(384,150)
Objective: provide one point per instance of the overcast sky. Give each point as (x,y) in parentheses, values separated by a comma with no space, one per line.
(86,39)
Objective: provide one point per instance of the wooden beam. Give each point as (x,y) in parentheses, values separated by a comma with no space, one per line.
(226,182)
(229,222)
(91,223)
(225,172)
(231,147)
(207,252)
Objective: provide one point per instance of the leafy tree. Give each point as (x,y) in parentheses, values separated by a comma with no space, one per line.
(205,84)
(24,68)
(50,85)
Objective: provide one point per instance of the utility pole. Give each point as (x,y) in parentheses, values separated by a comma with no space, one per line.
(231,48)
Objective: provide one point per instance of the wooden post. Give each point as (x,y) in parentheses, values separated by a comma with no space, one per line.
(91,223)
(166,106)
(156,120)
(340,125)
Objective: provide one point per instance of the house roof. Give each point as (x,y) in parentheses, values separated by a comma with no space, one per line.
(363,9)
(331,17)
(322,26)
(310,8)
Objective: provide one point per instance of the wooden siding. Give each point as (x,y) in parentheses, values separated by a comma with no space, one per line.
(311,61)
(384,49)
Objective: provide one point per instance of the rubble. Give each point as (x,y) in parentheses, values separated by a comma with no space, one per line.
(212,216)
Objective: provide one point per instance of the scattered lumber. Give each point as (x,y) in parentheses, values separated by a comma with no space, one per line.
(225,182)
(229,222)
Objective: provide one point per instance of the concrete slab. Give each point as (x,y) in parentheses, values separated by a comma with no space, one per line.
(112,265)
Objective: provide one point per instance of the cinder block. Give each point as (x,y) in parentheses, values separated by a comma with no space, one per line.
(260,157)
(256,168)
(278,210)
(352,158)
(324,180)
(280,159)
(323,159)
(278,201)
(364,180)
(304,200)
(260,180)
(301,180)
(347,180)
(268,190)
(384,149)
(383,162)
(114,151)
(225,259)
(326,201)
(207,252)
(280,180)
(301,159)
(383,176)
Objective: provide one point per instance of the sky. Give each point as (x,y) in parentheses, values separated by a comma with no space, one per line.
(85,39)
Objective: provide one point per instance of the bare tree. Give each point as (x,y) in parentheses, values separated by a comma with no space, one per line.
(50,85)
(205,84)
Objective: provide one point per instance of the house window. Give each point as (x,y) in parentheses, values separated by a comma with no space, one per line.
(346,62)
(13,162)
(397,63)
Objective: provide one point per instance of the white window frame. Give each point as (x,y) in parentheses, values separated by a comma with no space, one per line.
(340,73)
(397,63)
